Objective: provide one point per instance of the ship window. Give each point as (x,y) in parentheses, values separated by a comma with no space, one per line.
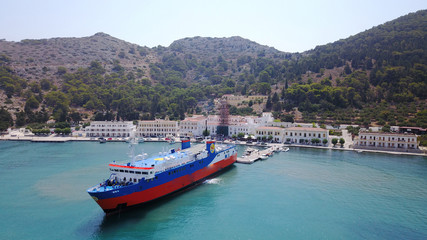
(169,173)
(137,172)
(134,180)
(121,170)
(111,169)
(143,172)
(116,170)
(131,172)
(126,171)
(157,177)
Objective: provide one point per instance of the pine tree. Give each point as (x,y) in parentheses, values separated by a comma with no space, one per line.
(268,105)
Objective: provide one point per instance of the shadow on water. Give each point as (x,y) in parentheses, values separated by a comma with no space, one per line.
(136,214)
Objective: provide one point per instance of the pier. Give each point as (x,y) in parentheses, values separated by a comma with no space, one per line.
(258,154)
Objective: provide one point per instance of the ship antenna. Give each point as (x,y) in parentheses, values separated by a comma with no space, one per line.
(132,143)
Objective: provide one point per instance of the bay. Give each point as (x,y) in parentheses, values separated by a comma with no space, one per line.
(300,194)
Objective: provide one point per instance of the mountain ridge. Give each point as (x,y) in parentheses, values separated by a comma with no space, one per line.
(101,73)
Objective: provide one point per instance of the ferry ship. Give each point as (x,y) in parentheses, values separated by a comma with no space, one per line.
(146,179)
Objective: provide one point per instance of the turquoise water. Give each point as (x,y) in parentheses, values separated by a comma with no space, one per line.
(300,194)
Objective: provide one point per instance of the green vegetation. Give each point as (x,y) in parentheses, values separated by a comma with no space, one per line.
(233,110)
(63,131)
(379,75)
(342,141)
(335,133)
(353,130)
(9,82)
(6,120)
(423,140)
(43,131)
(384,64)
(206,132)
(334,141)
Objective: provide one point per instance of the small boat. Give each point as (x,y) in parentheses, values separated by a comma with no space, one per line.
(102,140)
(285,149)
(170,140)
(249,151)
(263,156)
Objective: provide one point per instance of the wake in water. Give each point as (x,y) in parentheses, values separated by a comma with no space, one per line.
(213,181)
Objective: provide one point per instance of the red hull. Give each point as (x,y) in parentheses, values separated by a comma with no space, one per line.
(135,198)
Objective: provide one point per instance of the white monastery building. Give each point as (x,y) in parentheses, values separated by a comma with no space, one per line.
(387,141)
(304,134)
(192,126)
(157,127)
(195,125)
(110,129)
(275,132)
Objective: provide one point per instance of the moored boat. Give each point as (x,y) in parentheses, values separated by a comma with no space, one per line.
(143,180)
(285,149)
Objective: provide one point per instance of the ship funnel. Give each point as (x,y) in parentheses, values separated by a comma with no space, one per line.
(185,144)
(210,147)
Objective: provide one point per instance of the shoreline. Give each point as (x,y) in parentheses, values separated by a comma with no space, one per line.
(358,150)
(63,139)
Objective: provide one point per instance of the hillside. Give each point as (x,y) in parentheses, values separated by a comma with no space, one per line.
(381,75)
(229,48)
(37,59)
(375,76)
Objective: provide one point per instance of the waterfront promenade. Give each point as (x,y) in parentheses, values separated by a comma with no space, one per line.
(61,139)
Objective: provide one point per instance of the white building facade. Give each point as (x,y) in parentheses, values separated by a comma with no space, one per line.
(158,128)
(110,129)
(302,135)
(192,126)
(276,133)
(387,142)
(195,125)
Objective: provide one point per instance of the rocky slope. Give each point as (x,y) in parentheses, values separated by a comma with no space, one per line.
(38,59)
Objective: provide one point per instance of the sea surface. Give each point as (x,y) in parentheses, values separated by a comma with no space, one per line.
(300,194)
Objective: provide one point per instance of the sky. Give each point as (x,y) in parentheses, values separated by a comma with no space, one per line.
(289,26)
